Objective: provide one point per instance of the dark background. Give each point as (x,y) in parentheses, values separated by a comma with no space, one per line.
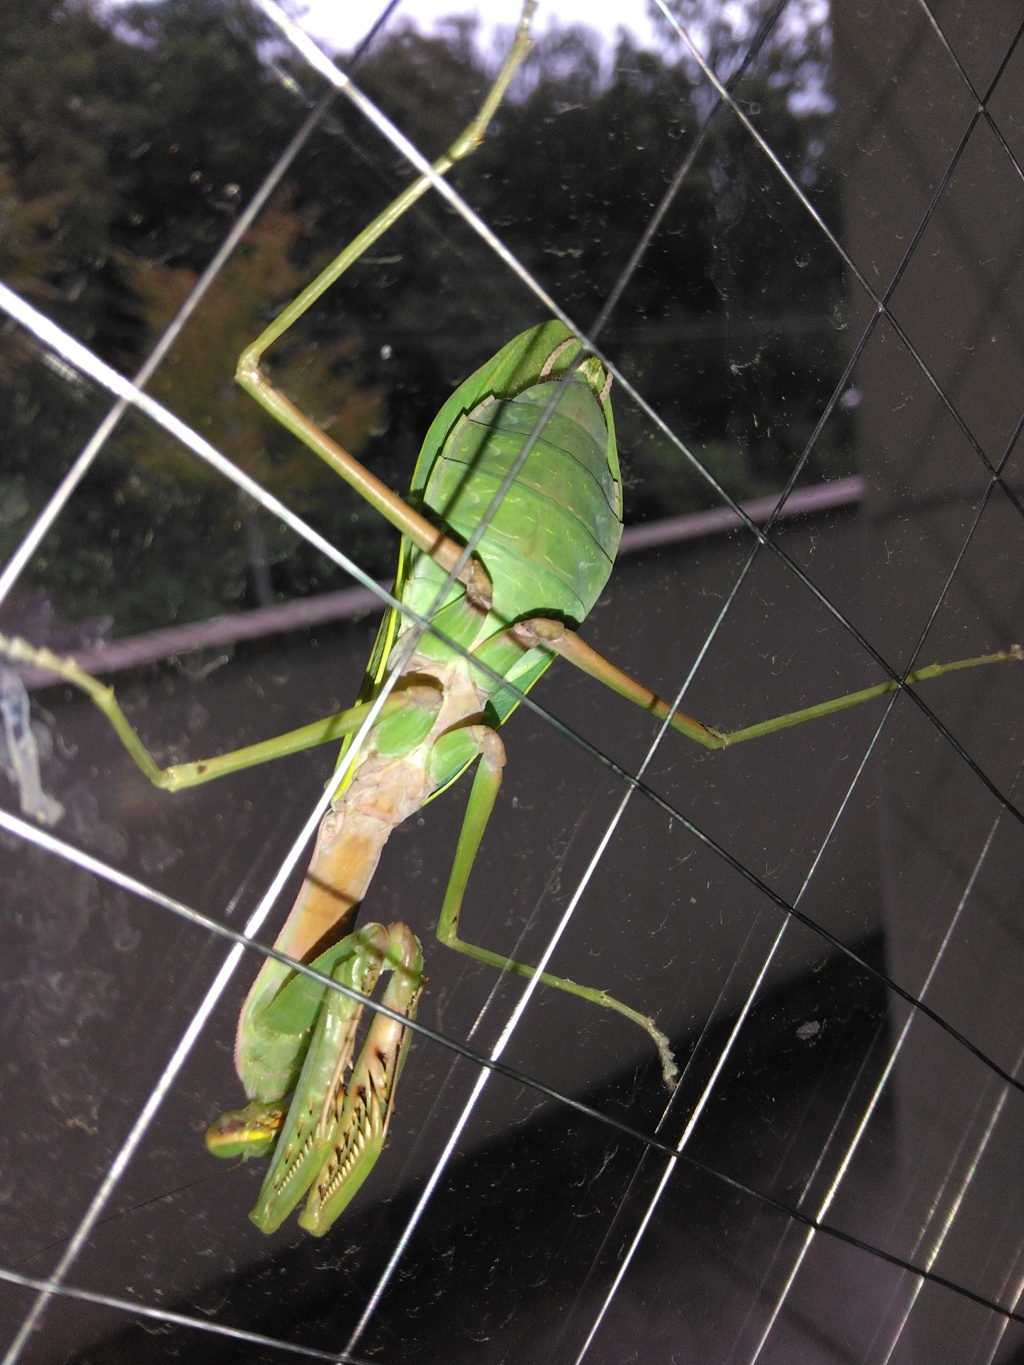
(811,1082)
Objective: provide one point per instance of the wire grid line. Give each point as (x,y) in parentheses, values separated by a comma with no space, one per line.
(308,49)
(742,1016)
(30,834)
(817,1219)
(16,565)
(39,838)
(54,1285)
(981,101)
(12,571)
(320,62)
(881,309)
(883,1082)
(685,168)
(724,1057)
(90,364)
(973,1161)
(833,240)
(168,1316)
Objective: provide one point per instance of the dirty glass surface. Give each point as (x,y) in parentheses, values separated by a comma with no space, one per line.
(793,233)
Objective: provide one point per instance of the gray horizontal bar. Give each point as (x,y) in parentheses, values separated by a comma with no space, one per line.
(823,497)
(349,603)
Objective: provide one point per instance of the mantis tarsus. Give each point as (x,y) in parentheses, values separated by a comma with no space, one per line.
(539,566)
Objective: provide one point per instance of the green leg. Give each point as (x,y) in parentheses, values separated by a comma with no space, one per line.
(182,775)
(568,645)
(486,782)
(249,375)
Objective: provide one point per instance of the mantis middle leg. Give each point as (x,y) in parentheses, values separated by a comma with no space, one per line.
(479,739)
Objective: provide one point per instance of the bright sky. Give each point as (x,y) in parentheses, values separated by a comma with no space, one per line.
(343,24)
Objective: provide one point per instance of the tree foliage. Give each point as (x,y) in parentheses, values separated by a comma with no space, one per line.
(129,141)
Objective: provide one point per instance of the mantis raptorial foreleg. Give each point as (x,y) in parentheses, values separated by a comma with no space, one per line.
(334,1132)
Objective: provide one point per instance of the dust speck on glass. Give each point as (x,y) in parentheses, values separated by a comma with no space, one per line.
(792,234)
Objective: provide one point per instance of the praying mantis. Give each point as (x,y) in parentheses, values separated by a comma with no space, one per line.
(537,415)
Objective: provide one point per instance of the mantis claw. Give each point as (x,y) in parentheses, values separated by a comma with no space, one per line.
(358,1135)
(334,1131)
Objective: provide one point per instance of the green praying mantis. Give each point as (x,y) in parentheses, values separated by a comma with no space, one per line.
(501,617)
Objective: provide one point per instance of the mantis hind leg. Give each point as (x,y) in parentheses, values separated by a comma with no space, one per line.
(557,637)
(479,739)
